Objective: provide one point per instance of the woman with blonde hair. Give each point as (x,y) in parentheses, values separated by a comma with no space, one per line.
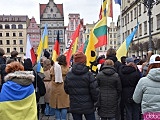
(110,91)
(147,90)
(17,98)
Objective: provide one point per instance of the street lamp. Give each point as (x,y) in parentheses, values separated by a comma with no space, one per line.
(149,5)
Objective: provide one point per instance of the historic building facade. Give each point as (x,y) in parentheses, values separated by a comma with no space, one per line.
(133,12)
(112,36)
(52,15)
(13,30)
(34,33)
(74,21)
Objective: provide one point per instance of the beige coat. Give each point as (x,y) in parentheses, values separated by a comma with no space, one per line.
(58,98)
(47,82)
(47,79)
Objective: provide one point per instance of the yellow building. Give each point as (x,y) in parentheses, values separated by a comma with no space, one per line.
(13,33)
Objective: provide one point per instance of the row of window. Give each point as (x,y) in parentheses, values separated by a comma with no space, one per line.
(133,14)
(55,32)
(13,26)
(61,49)
(53,24)
(51,16)
(61,40)
(113,42)
(13,34)
(114,35)
(34,36)
(144,28)
(14,42)
(33,30)
(21,50)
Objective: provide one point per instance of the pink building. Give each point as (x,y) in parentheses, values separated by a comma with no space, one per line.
(34,32)
(74,21)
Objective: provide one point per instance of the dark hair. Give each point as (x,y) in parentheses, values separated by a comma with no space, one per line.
(1,52)
(111,52)
(28,65)
(62,60)
(123,59)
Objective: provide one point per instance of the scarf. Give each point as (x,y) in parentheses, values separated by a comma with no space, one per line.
(58,73)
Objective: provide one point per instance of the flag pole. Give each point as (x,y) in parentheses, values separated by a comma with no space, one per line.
(121,41)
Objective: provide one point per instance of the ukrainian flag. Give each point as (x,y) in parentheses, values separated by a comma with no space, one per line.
(123,49)
(17,102)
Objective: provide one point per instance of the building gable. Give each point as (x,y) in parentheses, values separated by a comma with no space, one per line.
(51,10)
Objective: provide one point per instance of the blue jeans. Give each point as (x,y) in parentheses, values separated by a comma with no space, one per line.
(61,114)
(87,116)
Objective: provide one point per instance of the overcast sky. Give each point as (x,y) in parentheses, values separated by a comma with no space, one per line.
(88,9)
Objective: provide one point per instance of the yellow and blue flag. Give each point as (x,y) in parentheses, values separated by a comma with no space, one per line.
(17,102)
(43,43)
(123,49)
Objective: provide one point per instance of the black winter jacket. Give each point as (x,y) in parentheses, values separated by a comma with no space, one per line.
(110,91)
(82,88)
(129,79)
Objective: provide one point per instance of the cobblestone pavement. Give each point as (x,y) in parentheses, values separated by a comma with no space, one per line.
(69,117)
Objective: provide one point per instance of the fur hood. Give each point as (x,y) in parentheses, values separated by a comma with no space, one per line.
(20,77)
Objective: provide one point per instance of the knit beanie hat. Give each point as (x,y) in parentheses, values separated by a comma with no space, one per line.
(129,59)
(79,57)
(28,64)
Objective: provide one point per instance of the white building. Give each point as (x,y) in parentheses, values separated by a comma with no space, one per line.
(132,12)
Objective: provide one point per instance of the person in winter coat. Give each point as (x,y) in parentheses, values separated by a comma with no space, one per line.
(38,83)
(147,90)
(130,76)
(111,54)
(59,100)
(14,55)
(110,91)
(82,88)
(47,82)
(17,98)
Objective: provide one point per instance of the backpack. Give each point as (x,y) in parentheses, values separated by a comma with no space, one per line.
(39,85)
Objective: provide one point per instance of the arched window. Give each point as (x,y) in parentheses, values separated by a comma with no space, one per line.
(13,26)
(7,26)
(1,27)
(20,26)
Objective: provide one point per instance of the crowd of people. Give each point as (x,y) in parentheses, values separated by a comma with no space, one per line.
(120,90)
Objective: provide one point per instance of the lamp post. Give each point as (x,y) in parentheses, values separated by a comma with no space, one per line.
(149,5)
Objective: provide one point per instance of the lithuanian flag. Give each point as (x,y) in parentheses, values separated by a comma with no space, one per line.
(97,38)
